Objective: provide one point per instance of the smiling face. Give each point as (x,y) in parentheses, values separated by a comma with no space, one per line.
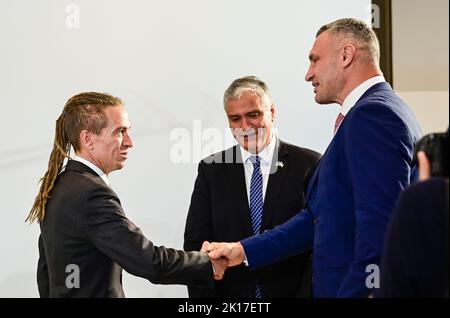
(109,149)
(250,121)
(324,70)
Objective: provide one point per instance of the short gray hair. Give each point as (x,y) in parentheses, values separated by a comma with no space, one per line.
(357,30)
(248,84)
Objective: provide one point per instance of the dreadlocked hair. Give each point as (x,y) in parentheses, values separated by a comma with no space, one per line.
(84,111)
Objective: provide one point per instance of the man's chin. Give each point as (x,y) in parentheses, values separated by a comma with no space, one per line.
(321,101)
(120,165)
(318,100)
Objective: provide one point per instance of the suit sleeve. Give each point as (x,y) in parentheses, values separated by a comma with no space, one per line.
(199,226)
(113,234)
(293,237)
(379,152)
(42,272)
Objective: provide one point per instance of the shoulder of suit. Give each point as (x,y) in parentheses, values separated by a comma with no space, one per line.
(425,202)
(225,156)
(427,188)
(381,99)
(382,105)
(85,181)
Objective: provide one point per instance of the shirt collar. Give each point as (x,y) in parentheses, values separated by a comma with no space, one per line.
(266,154)
(96,169)
(359,91)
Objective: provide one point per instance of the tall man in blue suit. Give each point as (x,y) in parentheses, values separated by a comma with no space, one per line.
(352,191)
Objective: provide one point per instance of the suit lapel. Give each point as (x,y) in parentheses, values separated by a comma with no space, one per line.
(315,175)
(312,181)
(275,182)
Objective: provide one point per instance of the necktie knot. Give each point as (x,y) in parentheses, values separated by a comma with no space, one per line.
(256,161)
(256,195)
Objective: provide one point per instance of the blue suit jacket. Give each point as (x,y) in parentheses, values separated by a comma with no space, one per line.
(350,197)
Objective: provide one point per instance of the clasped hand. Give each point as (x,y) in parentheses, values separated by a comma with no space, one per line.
(223,255)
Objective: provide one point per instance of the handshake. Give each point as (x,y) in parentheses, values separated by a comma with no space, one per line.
(223,255)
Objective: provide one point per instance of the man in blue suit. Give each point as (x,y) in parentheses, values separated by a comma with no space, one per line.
(352,191)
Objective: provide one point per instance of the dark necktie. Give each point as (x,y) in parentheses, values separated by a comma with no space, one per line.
(256,203)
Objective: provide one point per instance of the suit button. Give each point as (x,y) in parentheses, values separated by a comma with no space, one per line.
(315,221)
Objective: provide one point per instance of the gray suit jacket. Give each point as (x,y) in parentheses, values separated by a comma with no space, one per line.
(85,228)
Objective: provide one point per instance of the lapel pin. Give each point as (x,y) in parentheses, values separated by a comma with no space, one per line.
(280,164)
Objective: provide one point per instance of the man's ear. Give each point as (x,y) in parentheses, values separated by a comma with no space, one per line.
(424,166)
(86,140)
(348,54)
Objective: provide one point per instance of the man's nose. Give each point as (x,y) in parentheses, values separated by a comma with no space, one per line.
(245,124)
(128,141)
(309,75)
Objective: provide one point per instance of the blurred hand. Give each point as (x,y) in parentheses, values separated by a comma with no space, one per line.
(233,252)
(206,247)
(220,265)
(424,166)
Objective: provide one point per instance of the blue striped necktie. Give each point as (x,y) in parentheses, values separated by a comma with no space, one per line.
(256,203)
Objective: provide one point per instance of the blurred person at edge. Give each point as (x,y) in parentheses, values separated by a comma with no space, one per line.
(415,261)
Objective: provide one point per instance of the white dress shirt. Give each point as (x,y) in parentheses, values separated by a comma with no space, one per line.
(266,156)
(93,167)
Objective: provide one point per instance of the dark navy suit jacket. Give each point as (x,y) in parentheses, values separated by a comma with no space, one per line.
(350,197)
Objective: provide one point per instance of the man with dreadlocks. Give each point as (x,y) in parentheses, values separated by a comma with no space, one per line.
(85,238)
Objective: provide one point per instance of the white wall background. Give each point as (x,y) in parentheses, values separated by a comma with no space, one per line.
(170,61)
(420,59)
